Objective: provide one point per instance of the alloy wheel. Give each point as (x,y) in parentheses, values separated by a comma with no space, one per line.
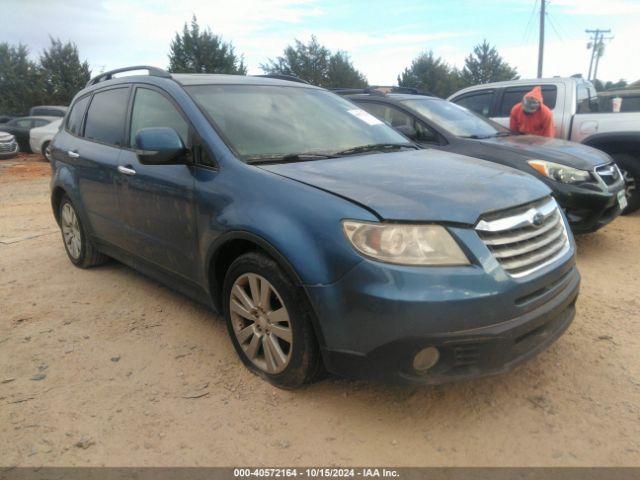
(261,323)
(47,153)
(71,231)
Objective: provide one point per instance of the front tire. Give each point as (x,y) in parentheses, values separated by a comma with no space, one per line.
(80,250)
(630,168)
(269,321)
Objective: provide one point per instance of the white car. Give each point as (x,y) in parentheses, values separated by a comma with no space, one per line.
(39,138)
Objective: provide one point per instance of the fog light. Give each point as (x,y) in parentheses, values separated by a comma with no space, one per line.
(425,359)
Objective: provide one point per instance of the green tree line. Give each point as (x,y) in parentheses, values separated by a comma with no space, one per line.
(53,80)
(59,73)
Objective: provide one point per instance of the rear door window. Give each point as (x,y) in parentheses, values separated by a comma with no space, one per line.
(106,116)
(74,120)
(513,95)
(479,102)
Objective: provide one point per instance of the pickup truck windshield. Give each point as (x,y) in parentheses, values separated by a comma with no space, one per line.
(456,119)
(277,121)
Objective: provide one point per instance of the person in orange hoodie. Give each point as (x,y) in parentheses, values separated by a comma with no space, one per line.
(532,116)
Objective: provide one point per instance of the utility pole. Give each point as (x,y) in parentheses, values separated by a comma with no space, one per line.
(541,40)
(596,44)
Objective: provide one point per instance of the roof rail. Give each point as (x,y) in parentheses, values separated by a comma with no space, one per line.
(353,91)
(290,78)
(153,71)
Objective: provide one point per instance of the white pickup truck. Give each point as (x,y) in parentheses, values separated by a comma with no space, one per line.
(575,110)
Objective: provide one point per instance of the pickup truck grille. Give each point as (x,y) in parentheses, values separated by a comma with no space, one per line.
(609,174)
(526,238)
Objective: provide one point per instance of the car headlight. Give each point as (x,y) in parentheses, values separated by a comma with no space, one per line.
(405,244)
(558,172)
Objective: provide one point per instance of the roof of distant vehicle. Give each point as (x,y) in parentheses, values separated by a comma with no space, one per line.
(523,81)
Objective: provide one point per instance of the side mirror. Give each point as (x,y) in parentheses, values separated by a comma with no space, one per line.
(159,146)
(408,131)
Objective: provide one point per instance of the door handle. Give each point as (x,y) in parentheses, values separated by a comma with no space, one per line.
(73,154)
(126,170)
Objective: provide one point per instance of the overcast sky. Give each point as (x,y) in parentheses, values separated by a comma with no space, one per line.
(382,37)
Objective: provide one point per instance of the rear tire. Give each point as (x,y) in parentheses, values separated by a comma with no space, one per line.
(269,321)
(630,167)
(80,249)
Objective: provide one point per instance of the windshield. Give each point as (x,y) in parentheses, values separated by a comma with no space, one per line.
(262,121)
(456,119)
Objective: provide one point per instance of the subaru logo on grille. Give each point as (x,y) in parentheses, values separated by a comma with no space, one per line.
(609,171)
(535,217)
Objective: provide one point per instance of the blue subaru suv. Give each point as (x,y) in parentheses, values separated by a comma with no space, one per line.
(326,239)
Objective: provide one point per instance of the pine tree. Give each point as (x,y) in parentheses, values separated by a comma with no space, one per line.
(20,80)
(317,65)
(485,65)
(200,51)
(431,74)
(62,72)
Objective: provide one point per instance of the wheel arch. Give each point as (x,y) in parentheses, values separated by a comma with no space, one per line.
(57,195)
(230,246)
(616,142)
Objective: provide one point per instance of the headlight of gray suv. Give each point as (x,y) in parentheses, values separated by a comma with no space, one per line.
(405,244)
(559,173)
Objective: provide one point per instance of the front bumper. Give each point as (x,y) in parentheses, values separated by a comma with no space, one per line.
(9,149)
(376,318)
(588,208)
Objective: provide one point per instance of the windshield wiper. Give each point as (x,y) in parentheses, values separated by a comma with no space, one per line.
(381,147)
(288,157)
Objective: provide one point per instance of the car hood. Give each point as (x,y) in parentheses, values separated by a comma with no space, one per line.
(5,137)
(567,153)
(418,185)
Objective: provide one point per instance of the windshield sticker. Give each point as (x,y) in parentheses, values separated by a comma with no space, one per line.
(364,116)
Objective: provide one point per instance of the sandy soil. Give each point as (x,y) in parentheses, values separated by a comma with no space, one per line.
(106,367)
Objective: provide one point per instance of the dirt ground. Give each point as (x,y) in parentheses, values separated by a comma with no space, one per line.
(106,367)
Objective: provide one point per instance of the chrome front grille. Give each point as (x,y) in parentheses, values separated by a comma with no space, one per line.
(10,146)
(609,174)
(526,238)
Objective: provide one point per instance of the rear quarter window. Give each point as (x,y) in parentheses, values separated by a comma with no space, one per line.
(513,95)
(74,120)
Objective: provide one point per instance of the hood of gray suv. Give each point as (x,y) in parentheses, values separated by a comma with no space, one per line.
(418,185)
(567,153)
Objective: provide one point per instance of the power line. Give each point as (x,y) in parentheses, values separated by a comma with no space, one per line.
(531,15)
(552,23)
